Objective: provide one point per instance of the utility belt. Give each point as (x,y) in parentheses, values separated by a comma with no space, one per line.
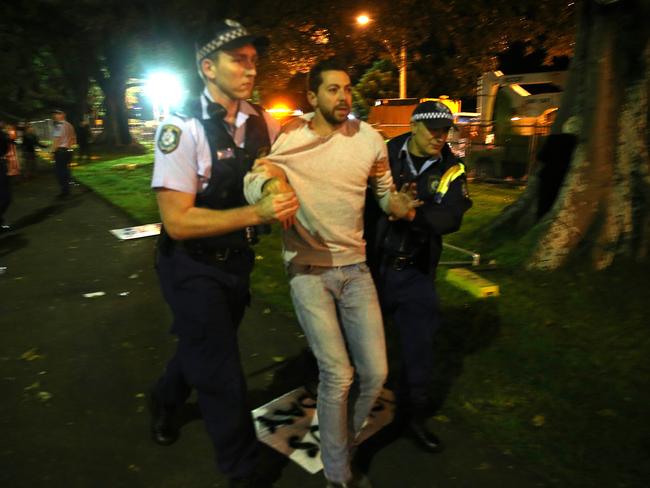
(398,262)
(202,253)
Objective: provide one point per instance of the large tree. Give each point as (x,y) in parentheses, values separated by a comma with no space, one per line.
(601,208)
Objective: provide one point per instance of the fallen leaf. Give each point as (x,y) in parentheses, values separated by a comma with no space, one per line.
(266,311)
(278,359)
(140,395)
(31,355)
(259,257)
(538,420)
(33,386)
(44,396)
(469,407)
(442,418)
(124,293)
(133,276)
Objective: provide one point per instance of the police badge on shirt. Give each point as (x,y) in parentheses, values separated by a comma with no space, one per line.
(169,138)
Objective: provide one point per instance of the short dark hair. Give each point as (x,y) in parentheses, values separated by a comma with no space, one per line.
(315,77)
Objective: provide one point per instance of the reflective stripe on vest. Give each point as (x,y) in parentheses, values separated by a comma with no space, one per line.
(450,175)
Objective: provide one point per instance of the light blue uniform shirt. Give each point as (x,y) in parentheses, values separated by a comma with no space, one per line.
(182,159)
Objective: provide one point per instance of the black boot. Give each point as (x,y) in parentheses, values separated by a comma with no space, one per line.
(164,430)
(423,436)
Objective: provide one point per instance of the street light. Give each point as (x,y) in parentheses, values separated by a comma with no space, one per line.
(363,19)
(398,60)
(165,91)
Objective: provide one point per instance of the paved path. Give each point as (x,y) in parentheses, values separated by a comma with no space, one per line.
(74,370)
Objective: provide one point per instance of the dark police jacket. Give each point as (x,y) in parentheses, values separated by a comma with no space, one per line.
(419,240)
(229,165)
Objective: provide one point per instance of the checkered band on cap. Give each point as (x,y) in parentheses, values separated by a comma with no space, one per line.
(432,115)
(237,31)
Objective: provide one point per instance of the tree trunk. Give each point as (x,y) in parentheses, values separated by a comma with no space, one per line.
(116,127)
(602,207)
(116,122)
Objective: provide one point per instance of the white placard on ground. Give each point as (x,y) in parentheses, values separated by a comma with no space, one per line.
(289,425)
(137,231)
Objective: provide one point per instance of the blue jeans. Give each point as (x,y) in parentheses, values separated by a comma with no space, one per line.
(339,312)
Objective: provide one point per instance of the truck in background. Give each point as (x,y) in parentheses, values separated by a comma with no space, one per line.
(500,140)
(392,116)
(516,114)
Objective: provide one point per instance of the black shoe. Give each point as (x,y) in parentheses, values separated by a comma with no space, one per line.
(164,431)
(425,438)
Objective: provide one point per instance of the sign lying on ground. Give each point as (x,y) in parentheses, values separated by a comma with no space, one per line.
(137,231)
(289,425)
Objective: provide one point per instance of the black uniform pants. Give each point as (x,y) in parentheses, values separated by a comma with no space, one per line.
(62,158)
(208,302)
(409,296)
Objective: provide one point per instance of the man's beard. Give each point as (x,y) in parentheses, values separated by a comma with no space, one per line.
(332,118)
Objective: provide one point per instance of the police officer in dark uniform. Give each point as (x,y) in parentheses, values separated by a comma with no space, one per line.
(404,254)
(204,257)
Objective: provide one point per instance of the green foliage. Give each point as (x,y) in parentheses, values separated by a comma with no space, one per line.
(563,380)
(124,182)
(379,81)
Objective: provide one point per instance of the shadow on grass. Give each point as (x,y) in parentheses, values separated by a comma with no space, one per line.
(465,330)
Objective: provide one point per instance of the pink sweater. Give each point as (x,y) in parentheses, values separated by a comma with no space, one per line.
(330,176)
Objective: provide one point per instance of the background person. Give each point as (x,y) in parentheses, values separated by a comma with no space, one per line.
(5,181)
(64,138)
(29,146)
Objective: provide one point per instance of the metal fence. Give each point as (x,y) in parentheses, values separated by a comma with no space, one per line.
(513,157)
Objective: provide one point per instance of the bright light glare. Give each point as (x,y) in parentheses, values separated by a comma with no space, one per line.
(165,91)
(281,111)
(363,19)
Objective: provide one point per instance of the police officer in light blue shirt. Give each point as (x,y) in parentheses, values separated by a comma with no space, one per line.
(204,257)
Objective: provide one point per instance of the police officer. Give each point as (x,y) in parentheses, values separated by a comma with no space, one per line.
(404,253)
(204,257)
(64,137)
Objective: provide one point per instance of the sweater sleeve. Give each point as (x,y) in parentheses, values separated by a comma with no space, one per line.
(381,185)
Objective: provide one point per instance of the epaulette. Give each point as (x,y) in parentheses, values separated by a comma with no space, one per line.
(184,116)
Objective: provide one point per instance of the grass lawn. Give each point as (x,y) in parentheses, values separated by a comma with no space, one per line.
(555,371)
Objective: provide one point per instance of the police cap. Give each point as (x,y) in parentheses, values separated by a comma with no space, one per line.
(434,115)
(226,34)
